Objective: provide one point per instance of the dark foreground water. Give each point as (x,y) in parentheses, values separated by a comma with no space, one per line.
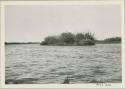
(35,64)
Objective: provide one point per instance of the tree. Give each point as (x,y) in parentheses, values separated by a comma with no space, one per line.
(79,36)
(89,36)
(50,40)
(68,38)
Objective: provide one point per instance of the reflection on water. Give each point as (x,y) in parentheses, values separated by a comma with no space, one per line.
(35,64)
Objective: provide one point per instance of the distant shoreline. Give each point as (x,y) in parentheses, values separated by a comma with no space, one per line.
(10,43)
(105,42)
(97,42)
(112,40)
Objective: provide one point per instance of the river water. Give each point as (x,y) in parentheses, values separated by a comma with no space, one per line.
(35,64)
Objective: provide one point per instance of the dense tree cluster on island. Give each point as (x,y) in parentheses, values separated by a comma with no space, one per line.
(68,39)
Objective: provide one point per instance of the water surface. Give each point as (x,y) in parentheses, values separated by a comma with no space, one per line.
(35,64)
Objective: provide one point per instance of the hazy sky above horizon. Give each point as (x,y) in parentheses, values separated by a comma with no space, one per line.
(34,23)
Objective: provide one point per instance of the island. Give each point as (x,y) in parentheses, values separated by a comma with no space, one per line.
(70,39)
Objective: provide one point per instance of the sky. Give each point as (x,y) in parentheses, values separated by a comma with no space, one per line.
(33,23)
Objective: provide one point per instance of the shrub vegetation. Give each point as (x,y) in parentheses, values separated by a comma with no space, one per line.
(113,40)
(68,38)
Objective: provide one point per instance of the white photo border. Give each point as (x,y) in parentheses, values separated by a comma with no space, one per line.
(2,45)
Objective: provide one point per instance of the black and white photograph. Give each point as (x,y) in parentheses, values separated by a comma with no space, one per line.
(63,44)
